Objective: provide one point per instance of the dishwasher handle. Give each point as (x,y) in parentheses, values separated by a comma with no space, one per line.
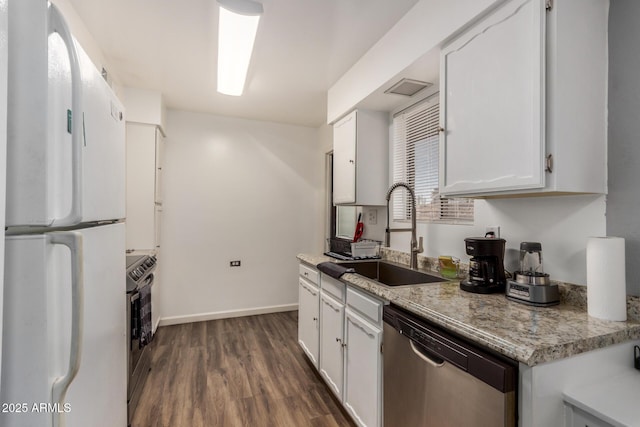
(434,361)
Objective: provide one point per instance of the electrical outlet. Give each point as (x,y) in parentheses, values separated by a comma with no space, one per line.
(234,263)
(493,229)
(372,216)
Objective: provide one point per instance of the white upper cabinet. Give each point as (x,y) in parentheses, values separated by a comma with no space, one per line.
(144,196)
(360,153)
(159,165)
(523,101)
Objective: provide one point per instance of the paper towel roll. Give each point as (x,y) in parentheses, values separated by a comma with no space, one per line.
(606,278)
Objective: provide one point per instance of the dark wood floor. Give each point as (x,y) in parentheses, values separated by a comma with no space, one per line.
(247,371)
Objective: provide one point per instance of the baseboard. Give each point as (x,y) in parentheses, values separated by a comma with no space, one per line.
(176,320)
(155,327)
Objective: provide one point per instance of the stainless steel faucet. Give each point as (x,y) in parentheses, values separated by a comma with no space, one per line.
(415,247)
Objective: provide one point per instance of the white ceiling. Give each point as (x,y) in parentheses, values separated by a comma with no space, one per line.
(302,48)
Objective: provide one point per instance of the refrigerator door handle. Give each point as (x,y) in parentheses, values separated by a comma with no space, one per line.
(72,240)
(58,25)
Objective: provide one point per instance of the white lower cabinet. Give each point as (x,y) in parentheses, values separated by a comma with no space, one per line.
(363,369)
(349,343)
(331,342)
(309,312)
(578,418)
(308,319)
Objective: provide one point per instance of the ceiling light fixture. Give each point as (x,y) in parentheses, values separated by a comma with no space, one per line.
(236,34)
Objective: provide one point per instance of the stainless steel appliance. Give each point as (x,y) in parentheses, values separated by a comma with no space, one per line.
(432,379)
(531,285)
(486,267)
(139,274)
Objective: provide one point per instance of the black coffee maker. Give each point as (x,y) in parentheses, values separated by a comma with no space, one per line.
(486,267)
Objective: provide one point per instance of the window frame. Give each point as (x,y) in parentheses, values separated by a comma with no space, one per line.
(418,125)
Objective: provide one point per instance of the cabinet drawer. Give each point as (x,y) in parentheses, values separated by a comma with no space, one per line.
(333,287)
(370,307)
(576,417)
(309,273)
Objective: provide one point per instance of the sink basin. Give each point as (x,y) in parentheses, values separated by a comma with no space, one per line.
(391,274)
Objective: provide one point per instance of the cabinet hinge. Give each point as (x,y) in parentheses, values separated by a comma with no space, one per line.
(549,5)
(549,163)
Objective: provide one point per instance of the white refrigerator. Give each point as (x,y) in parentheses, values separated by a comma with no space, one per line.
(64,338)
(4,27)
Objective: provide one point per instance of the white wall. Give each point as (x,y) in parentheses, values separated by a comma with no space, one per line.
(623,203)
(424,28)
(144,106)
(237,189)
(86,40)
(561,223)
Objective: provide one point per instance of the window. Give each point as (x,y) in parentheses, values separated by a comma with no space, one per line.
(415,161)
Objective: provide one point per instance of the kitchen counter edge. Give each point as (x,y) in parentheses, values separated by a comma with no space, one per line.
(521,341)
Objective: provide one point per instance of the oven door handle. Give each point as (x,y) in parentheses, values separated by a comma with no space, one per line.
(135,316)
(148,280)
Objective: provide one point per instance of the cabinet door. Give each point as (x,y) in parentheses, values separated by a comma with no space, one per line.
(159,165)
(141,170)
(363,369)
(157,222)
(344,160)
(492,103)
(331,340)
(308,319)
(575,417)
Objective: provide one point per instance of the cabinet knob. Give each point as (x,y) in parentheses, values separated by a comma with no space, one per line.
(352,161)
(338,340)
(315,319)
(440,129)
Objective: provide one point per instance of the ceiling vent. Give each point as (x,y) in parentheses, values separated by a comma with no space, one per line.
(408,87)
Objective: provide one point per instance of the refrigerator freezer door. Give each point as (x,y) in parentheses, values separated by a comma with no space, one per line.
(103,172)
(38,343)
(66,154)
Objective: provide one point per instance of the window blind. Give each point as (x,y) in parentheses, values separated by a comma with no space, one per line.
(415,161)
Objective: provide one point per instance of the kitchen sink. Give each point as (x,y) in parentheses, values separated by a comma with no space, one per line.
(391,274)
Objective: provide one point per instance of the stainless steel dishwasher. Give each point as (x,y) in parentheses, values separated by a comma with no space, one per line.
(433,379)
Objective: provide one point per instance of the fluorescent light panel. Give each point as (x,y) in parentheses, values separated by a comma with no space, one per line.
(236,34)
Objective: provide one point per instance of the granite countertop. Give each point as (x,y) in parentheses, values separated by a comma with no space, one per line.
(530,335)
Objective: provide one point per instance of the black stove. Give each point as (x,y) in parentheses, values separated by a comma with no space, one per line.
(139,270)
(132,259)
